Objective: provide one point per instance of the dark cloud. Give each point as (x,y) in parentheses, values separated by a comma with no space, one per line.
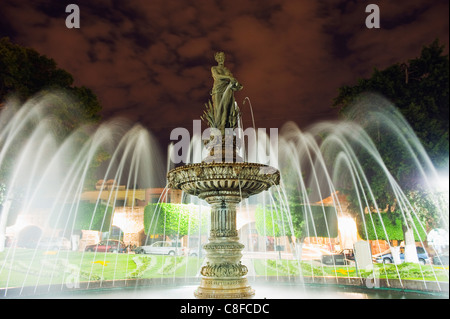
(150,61)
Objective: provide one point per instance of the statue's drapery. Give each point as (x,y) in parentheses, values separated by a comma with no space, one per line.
(223,113)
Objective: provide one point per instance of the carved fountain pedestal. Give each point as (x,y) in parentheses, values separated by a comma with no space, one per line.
(223,180)
(223,185)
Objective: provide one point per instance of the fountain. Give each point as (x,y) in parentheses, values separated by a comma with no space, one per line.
(45,179)
(223,180)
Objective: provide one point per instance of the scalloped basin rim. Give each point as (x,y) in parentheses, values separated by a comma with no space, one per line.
(267,171)
(245,178)
(233,164)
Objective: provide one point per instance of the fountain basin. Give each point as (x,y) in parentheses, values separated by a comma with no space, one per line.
(228,179)
(266,288)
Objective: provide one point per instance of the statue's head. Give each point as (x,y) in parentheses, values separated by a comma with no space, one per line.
(219,57)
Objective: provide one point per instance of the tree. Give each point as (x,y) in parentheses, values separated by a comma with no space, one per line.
(175,220)
(302,221)
(24,73)
(290,212)
(27,75)
(376,226)
(84,216)
(419,89)
(272,222)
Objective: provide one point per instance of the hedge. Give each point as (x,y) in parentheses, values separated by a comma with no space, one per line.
(175,220)
(392,224)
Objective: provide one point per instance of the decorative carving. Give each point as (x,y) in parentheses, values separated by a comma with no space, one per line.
(215,282)
(223,233)
(224,246)
(244,178)
(224,270)
(198,171)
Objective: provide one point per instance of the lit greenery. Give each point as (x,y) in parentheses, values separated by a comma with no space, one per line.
(405,271)
(371,228)
(301,221)
(39,267)
(175,220)
(32,268)
(83,215)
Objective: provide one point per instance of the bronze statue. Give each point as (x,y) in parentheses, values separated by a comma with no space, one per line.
(223,112)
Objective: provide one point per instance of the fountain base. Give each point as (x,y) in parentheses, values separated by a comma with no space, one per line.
(223,186)
(226,288)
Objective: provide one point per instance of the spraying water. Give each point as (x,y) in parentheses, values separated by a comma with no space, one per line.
(50,195)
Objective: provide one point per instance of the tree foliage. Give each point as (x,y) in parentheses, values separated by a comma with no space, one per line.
(302,221)
(387,227)
(83,216)
(29,78)
(419,90)
(24,73)
(175,220)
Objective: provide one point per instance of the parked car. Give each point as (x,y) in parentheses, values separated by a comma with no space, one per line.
(334,259)
(110,246)
(388,258)
(161,248)
(440,260)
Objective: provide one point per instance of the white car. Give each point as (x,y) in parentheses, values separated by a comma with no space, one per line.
(54,243)
(161,248)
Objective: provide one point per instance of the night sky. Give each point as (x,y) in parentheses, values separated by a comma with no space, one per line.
(149,60)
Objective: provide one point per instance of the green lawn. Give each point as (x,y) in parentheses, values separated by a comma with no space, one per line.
(405,271)
(28,267)
(25,267)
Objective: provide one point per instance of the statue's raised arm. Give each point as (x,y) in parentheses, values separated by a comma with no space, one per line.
(223,112)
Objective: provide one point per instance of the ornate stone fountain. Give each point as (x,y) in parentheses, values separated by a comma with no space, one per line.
(223,180)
